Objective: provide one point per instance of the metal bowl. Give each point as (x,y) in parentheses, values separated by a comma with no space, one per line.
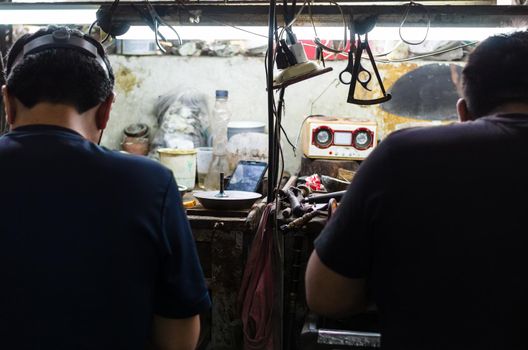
(234,200)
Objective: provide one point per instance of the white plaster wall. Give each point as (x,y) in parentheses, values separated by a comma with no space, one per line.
(244,77)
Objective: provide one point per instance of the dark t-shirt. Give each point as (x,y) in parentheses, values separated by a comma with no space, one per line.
(92,243)
(436,220)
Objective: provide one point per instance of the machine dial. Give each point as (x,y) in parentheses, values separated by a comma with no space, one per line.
(323,137)
(362,139)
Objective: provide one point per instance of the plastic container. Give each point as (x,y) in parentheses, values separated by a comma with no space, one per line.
(220,118)
(204,156)
(182,162)
(219,121)
(238,127)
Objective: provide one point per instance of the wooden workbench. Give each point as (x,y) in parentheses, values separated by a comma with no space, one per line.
(223,239)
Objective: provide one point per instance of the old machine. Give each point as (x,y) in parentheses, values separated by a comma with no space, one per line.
(301,215)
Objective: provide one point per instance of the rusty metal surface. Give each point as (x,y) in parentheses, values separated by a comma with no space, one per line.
(329,167)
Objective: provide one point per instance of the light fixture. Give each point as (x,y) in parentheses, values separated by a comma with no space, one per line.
(259,33)
(43,16)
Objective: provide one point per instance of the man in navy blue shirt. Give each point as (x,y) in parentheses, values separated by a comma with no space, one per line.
(433,227)
(95,248)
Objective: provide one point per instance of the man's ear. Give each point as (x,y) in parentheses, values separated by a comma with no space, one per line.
(9,106)
(103,112)
(462,110)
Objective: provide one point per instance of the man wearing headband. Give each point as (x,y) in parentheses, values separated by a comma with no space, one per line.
(95,249)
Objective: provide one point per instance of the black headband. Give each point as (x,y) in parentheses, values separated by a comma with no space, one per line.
(60,38)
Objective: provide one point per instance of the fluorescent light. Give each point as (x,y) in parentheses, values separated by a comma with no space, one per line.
(415,34)
(307,33)
(196,33)
(47,16)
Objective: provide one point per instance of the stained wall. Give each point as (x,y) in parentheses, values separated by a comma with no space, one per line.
(141,79)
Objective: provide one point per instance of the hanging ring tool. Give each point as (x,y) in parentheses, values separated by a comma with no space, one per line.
(358,71)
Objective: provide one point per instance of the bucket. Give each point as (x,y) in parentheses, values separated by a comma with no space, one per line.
(182,162)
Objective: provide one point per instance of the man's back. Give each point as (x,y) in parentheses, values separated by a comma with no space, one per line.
(434,222)
(92,243)
(451,247)
(442,236)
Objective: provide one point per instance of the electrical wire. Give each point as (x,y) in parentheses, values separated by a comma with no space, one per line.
(318,42)
(156,20)
(288,25)
(430,54)
(183,6)
(105,39)
(111,12)
(294,148)
(90,32)
(407,10)
(91,27)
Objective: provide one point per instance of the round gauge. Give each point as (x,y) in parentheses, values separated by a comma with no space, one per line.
(323,137)
(362,139)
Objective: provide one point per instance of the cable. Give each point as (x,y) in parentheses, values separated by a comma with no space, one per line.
(407,10)
(318,42)
(183,6)
(288,139)
(156,20)
(90,32)
(105,38)
(434,53)
(268,63)
(91,28)
(288,25)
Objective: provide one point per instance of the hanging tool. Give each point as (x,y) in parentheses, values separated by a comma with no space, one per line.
(323,198)
(358,73)
(347,75)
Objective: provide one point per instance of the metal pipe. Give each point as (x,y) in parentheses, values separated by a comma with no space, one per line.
(271,128)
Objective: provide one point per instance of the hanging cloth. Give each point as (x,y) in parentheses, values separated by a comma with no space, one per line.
(257,299)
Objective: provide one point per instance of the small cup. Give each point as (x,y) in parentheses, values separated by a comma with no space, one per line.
(204,156)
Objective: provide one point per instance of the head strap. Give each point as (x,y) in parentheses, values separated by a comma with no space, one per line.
(60,38)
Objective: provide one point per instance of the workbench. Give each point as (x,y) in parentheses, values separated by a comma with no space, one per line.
(222,239)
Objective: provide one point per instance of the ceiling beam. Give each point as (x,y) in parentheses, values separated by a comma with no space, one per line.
(389,14)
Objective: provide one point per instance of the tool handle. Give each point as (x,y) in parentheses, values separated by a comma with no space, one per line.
(369,102)
(296,206)
(323,198)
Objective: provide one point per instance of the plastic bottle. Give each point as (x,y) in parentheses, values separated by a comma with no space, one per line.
(220,118)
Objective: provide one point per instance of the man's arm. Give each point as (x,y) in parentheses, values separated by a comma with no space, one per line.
(331,294)
(181,294)
(175,333)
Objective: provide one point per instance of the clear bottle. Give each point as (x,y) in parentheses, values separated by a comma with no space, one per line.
(220,118)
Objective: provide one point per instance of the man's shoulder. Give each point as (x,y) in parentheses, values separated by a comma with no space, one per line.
(135,170)
(438,134)
(135,166)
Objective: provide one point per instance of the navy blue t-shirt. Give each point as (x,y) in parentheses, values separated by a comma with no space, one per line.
(436,221)
(92,244)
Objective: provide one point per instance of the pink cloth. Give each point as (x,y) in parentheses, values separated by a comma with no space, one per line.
(256,297)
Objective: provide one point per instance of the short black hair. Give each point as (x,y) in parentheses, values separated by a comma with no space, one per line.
(496,73)
(58,75)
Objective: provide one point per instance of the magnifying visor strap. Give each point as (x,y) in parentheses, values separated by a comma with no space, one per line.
(48,41)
